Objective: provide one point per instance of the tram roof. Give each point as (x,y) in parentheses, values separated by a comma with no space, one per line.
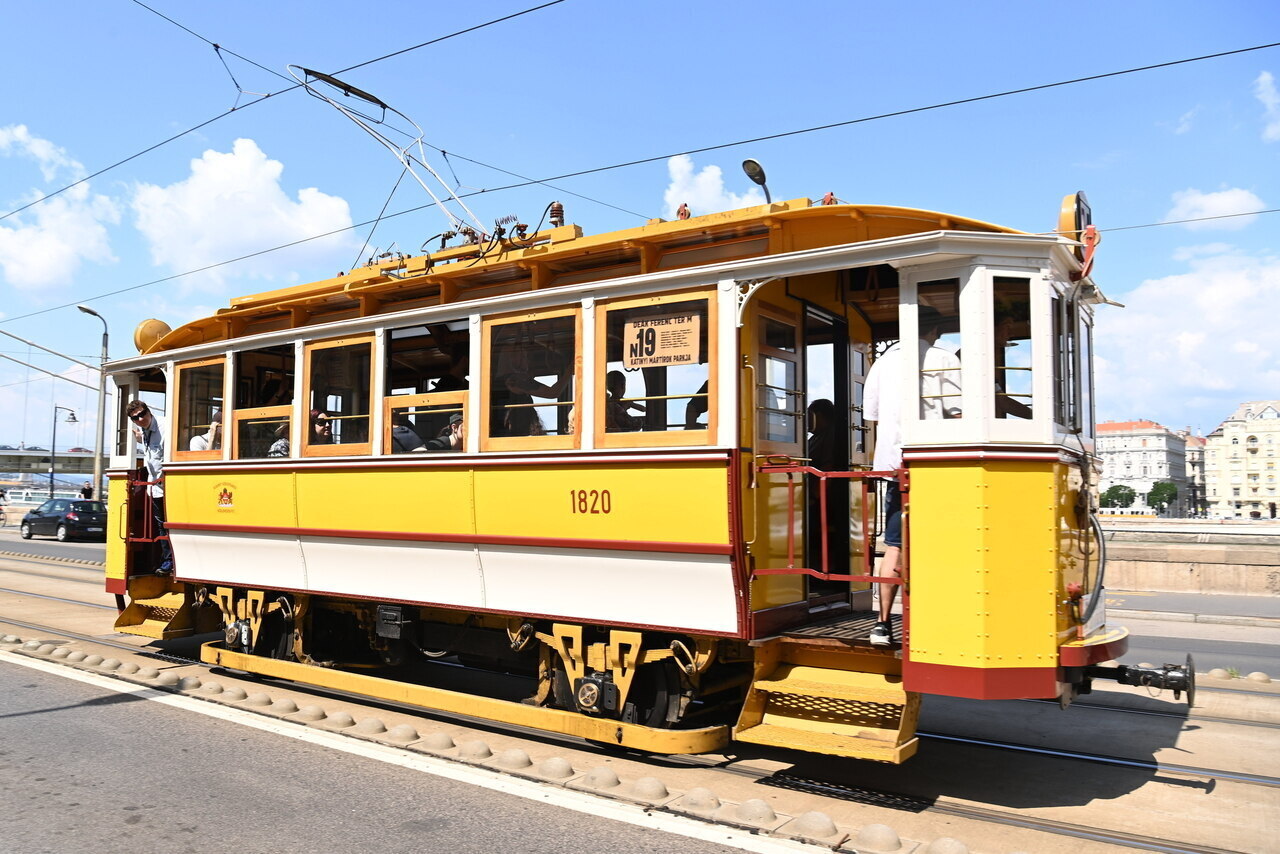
(554,257)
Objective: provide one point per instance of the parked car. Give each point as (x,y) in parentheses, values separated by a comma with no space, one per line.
(79,451)
(66,519)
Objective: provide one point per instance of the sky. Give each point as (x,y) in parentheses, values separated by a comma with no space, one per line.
(583,84)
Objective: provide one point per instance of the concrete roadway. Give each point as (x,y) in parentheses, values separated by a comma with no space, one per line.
(87,769)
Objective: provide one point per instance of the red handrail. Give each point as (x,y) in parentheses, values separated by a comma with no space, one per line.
(790,468)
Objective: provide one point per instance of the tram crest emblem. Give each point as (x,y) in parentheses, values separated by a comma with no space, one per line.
(225,496)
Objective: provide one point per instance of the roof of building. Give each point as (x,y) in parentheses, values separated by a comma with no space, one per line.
(1125,426)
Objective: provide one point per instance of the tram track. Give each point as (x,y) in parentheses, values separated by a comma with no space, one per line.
(823,788)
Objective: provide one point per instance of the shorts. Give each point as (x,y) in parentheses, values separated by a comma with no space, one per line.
(893,515)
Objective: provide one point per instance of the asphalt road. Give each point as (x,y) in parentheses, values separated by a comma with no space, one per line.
(11,541)
(86,769)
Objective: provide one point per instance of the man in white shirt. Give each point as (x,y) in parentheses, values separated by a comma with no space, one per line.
(150,436)
(882,402)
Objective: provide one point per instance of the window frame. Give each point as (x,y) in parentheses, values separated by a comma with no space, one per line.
(573,441)
(663,438)
(285,410)
(303,406)
(433,398)
(180,451)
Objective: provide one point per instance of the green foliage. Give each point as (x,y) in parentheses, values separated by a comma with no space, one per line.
(1119,496)
(1162,495)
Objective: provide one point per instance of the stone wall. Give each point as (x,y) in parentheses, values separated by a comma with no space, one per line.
(1234,564)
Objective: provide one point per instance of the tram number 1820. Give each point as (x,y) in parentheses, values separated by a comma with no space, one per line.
(590,501)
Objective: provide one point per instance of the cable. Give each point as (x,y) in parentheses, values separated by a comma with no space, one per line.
(893,114)
(251,103)
(641,161)
(212,44)
(356,263)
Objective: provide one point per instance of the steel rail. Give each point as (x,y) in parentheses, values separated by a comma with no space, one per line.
(56,598)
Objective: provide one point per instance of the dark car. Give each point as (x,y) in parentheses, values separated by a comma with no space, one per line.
(66,519)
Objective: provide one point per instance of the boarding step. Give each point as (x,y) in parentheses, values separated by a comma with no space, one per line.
(160,617)
(853,713)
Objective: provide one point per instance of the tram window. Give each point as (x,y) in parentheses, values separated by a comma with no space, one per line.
(262,433)
(425,423)
(199,413)
(1066,381)
(532,380)
(263,398)
(339,377)
(656,376)
(940,375)
(429,358)
(1011,346)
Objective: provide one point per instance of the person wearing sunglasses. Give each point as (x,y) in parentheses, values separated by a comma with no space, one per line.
(150,436)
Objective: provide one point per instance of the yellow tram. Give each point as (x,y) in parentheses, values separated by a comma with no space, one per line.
(579,468)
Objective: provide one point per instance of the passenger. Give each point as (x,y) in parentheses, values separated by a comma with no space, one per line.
(86,491)
(403,437)
(211,440)
(617,415)
(822,456)
(280,447)
(516,388)
(695,408)
(940,381)
(452,438)
(274,393)
(459,360)
(150,435)
(321,428)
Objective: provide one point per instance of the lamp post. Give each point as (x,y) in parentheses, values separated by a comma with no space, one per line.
(53,446)
(102,406)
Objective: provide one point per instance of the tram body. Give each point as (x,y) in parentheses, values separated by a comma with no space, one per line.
(666,567)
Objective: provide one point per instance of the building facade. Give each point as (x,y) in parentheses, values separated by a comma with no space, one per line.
(1197,495)
(1240,462)
(1140,454)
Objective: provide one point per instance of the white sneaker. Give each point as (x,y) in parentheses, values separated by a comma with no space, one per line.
(881,634)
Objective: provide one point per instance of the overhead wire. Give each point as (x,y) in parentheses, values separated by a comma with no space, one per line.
(828,126)
(239,107)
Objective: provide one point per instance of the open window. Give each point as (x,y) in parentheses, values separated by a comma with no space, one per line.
(939,327)
(339,382)
(264,402)
(532,381)
(198,419)
(426,386)
(654,377)
(1012,347)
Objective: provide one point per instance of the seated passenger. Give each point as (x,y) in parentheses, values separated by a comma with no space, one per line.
(617,415)
(515,389)
(212,439)
(452,438)
(403,437)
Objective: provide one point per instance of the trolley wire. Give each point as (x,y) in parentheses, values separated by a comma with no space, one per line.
(259,100)
(864,119)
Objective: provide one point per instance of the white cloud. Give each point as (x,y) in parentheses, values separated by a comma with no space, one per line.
(1190,347)
(17,140)
(233,204)
(1187,253)
(45,245)
(704,191)
(1264,89)
(1193,204)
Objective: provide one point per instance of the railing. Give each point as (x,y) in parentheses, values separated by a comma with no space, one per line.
(132,529)
(867,481)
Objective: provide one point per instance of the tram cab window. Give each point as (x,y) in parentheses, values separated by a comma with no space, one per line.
(655,375)
(339,377)
(532,381)
(940,378)
(1012,347)
(1072,366)
(263,402)
(198,429)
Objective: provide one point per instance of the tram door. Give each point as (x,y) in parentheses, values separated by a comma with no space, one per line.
(777,398)
(828,428)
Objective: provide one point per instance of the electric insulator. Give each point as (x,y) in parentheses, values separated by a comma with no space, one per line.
(557,214)
(683,212)
(829,198)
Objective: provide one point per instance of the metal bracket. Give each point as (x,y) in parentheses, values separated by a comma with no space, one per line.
(745,290)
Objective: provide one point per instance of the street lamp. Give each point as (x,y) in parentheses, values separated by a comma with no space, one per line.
(53,446)
(102,405)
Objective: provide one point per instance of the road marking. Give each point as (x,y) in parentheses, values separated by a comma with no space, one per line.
(633,814)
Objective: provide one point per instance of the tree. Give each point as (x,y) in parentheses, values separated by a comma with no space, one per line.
(1162,494)
(1119,496)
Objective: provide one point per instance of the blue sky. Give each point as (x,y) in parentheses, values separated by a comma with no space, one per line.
(584,84)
